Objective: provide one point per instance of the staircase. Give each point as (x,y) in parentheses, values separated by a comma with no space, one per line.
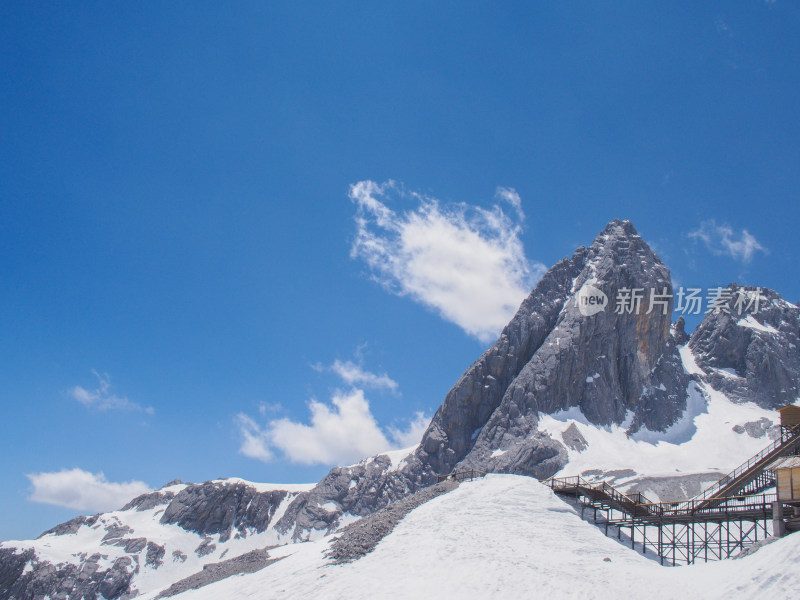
(727,517)
(752,476)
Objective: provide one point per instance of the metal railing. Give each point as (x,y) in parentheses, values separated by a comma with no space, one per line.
(772,451)
(637,505)
(576,481)
(468,475)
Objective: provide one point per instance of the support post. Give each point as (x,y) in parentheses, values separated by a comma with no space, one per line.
(778,525)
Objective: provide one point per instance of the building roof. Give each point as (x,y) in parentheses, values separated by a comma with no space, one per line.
(789,408)
(786,462)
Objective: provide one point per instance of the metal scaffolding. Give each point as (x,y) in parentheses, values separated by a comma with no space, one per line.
(722,521)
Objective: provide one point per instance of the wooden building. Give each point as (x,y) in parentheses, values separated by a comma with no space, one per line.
(790,415)
(787,472)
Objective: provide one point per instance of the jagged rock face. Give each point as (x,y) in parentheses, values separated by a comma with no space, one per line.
(614,366)
(679,335)
(45,580)
(215,507)
(119,554)
(356,490)
(751,353)
(71,526)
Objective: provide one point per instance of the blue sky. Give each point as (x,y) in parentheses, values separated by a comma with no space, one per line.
(206,270)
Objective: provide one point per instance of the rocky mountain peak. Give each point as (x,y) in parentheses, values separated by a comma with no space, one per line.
(570,346)
(747,344)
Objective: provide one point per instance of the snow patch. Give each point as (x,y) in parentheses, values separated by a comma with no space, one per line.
(751,323)
(268,487)
(398,457)
(701,441)
(689,362)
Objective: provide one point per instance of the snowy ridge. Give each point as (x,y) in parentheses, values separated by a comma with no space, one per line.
(159,553)
(501,537)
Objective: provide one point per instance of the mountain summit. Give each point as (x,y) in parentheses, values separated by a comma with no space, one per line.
(614,366)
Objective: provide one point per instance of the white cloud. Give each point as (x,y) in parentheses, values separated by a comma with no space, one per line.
(723,240)
(101,398)
(343,432)
(81,490)
(511,196)
(255,442)
(412,434)
(465,262)
(353,374)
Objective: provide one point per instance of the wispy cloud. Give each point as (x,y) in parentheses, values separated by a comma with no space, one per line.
(101,398)
(723,240)
(467,263)
(81,490)
(355,375)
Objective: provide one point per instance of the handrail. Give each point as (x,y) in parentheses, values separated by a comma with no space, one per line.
(606,488)
(461,475)
(787,435)
(666,509)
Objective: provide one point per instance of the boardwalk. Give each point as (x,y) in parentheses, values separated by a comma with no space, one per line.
(724,519)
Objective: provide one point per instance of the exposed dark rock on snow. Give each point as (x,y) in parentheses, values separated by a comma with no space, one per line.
(218,507)
(150,500)
(748,353)
(359,490)
(250,562)
(131,545)
(155,555)
(755,429)
(71,526)
(573,438)
(44,580)
(178,556)
(361,537)
(205,548)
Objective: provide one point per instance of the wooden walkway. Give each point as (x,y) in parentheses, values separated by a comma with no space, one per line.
(722,520)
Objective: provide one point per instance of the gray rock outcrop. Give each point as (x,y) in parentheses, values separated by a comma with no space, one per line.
(361,538)
(250,562)
(223,508)
(573,439)
(751,352)
(217,507)
(45,580)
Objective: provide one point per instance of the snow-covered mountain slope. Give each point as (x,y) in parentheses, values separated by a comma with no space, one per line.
(156,539)
(506,536)
(714,435)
